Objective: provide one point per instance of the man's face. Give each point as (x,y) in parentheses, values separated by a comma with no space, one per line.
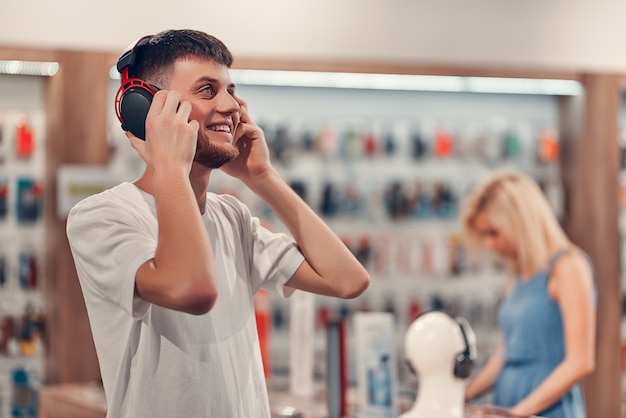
(211,92)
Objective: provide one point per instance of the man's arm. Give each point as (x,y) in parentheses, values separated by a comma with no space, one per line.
(329,267)
(181,274)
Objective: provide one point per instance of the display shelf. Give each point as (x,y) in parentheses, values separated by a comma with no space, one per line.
(22,243)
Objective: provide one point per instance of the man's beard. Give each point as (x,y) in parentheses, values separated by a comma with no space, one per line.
(213,156)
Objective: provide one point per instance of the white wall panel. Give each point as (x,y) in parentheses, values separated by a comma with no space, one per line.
(553,34)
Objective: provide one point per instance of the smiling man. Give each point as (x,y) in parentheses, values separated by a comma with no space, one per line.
(168,271)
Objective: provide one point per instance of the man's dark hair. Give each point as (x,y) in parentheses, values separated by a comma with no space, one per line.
(155,59)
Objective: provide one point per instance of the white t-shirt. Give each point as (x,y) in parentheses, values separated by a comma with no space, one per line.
(158,362)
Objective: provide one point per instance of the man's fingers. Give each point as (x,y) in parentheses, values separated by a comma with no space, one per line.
(172,101)
(158,100)
(194,124)
(135,142)
(184,110)
(241,102)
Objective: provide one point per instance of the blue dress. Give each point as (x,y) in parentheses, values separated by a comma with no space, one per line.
(532,329)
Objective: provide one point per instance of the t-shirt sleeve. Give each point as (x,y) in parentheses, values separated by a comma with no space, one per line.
(108,247)
(277,258)
(273,257)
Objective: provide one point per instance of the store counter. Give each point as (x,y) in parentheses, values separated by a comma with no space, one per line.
(72,401)
(87,401)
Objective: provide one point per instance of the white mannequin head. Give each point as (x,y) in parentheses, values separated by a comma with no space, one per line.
(440,349)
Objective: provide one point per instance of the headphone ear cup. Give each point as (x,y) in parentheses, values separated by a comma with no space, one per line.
(134,106)
(463,366)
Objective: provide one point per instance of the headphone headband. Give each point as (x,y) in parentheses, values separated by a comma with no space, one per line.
(127,59)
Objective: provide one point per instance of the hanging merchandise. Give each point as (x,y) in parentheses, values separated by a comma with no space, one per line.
(300,188)
(29,200)
(457,255)
(415,309)
(24,399)
(3,270)
(489,146)
(307,140)
(418,146)
(548,146)
(423,204)
(327,141)
(396,201)
(444,201)
(363,251)
(350,143)
(330,200)
(27,269)
(24,140)
(350,201)
(427,263)
(282,145)
(4,197)
(7,332)
(382,260)
(443,143)
(389,144)
(511,147)
(370,144)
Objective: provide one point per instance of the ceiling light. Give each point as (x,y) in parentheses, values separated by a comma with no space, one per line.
(36,68)
(406,82)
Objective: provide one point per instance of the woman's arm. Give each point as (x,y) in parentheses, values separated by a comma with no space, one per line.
(486,377)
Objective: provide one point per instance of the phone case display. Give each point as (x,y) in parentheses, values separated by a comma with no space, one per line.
(22,196)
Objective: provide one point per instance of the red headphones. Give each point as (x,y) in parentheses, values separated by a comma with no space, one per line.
(133,98)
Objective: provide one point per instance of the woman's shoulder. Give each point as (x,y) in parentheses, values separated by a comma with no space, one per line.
(572,264)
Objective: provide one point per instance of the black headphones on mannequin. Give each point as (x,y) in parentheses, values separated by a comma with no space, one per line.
(464,360)
(134,96)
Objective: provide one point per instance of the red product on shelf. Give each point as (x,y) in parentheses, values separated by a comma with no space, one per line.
(24,140)
(443,143)
(549,146)
(262,316)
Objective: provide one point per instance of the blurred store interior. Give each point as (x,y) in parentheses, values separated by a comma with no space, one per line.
(381,115)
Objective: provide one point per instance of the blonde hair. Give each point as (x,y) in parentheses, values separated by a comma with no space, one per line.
(516,205)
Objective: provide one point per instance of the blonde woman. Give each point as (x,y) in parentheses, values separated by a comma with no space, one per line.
(547,318)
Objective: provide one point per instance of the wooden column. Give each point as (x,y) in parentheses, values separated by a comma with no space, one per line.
(76,110)
(589,171)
